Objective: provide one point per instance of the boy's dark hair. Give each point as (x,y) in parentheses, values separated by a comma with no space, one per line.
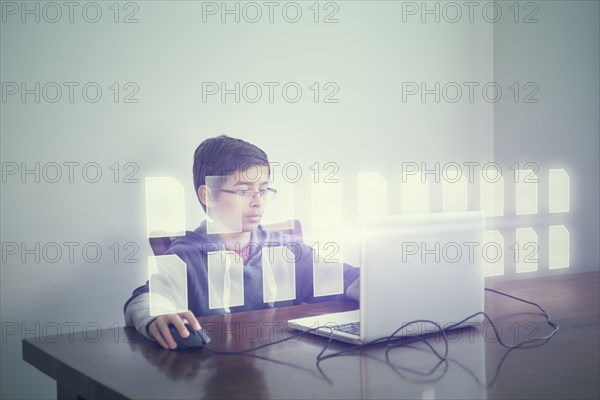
(222,156)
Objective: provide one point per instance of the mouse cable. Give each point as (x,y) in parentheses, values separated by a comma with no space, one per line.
(398,341)
(392,340)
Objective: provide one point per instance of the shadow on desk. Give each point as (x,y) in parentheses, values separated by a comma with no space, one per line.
(215,371)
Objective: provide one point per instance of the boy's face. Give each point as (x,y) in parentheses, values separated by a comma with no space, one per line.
(234,212)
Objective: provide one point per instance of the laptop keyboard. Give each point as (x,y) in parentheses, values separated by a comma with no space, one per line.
(352,328)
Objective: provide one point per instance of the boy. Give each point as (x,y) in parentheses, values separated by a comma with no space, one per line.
(236,202)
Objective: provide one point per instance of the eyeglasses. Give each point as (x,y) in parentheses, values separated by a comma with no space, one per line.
(266,194)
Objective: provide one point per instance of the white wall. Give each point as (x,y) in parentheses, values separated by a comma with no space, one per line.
(560,55)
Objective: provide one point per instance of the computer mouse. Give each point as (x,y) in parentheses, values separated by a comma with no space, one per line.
(196,340)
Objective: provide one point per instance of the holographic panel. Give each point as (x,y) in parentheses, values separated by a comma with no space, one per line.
(492,196)
(165,207)
(279,274)
(558,238)
(526,192)
(415,195)
(493,253)
(327,204)
(167,276)
(223,209)
(526,250)
(372,195)
(328,270)
(455,194)
(558,193)
(225,280)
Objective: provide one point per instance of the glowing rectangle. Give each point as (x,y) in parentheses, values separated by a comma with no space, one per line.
(415,195)
(328,269)
(167,277)
(327,207)
(454,194)
(372,195)
(526,192)
(558,243)
(526,250)
(558,191)
(225,280)
(165,207)
(279,274)
(493,253)
(492,196)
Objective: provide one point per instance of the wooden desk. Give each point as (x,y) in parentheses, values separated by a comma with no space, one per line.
(120,363)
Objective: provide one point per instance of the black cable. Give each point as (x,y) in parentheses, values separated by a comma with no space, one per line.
(443,331)
(396,341)
(231,353)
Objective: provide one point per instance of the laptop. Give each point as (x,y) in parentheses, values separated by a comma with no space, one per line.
(413,267)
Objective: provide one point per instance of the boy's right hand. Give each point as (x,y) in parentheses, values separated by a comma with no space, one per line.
(159,328)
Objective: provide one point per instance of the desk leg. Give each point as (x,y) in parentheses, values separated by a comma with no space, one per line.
(63,393)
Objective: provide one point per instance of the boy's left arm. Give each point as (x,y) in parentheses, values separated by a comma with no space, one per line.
(352,282)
